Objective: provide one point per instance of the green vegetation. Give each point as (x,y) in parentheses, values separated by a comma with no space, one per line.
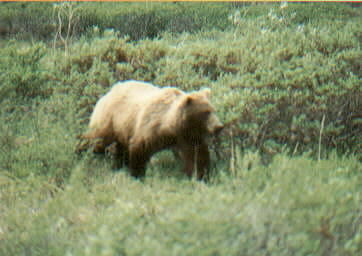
(151,19)
(286,169)
(292,207)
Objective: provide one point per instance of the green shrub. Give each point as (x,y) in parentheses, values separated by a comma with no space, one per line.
(21,73)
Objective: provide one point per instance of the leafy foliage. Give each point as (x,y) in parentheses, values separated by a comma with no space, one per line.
(21,73)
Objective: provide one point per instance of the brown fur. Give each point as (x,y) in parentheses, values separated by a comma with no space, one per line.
(143,119)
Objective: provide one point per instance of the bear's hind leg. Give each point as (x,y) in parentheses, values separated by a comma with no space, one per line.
(120,156)
(137,163)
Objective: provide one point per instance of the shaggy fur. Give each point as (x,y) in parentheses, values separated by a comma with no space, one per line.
(143,119)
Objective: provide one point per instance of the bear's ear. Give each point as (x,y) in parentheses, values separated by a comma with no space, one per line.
(206,92)
(188,100)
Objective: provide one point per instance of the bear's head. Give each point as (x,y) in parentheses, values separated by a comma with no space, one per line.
(199,114)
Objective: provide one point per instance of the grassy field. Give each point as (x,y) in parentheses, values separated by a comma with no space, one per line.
(286,171)
(295,206)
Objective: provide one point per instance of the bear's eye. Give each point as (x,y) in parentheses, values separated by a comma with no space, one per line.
(205,114)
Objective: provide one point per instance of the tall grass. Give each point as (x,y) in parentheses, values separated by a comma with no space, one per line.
(295,206)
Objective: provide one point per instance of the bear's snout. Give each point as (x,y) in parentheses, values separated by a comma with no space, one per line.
(215,126)
(218,129)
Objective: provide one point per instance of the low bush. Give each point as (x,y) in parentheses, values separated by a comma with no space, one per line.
(21,74)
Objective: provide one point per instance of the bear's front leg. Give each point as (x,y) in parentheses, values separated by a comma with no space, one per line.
(196,157)
(203,161)
(187,154)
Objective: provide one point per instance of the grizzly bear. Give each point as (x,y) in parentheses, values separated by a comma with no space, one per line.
(142,119)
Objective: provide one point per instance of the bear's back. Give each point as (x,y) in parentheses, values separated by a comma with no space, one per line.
(133,90)
(132,103)
(123,95)
(135,94)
